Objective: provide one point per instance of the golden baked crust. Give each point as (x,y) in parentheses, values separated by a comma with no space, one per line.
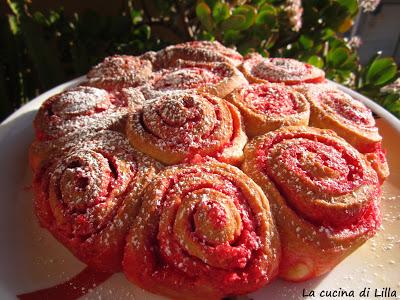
(119,71)
(201,51)
(205,231)
(266,107)
(333,109)
(323,194)
(289,71)
(216,78)
(88,196)
(175,127)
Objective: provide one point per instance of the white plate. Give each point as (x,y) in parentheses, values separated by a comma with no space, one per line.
(31,259)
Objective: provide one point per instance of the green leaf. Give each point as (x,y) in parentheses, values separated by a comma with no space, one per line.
(337,57)
(234,23)
(392,103)
(54,16)
(143,32)
(334,14)
(316,61)
(390,98)
(208,36)
(351,63)
(203,12)
(221,11)
(327,33)
(250,42)
(350,5)
(267,15)
(381,71)
(248,12)
(40,18)
(267,7)
(14,25)
(136,16)
(336,43)
(16,7)
(232,36)
(306,41)
(210,3)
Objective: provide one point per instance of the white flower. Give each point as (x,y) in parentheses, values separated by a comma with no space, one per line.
(368,5)
(392,88)
(294,10)
(355,42)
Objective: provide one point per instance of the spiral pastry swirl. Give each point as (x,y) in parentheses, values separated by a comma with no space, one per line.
(40,151)
(77,109)
(88,197)
(349,118)
(119,71)
(281,70)
(201,51)
(216,78)
(266,107)
(333,109)
(323,194)
(178,126)
(204,231)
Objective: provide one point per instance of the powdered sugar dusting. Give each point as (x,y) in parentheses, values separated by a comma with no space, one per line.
(207,221)
(182,123)
(272,100)
(285,70)
(340,104)
(90,189)
(77,109)
(119,71)
(203,51)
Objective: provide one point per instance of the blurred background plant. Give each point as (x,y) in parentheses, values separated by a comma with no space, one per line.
(42,48)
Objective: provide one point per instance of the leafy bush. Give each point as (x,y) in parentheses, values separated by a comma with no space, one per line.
(42,49)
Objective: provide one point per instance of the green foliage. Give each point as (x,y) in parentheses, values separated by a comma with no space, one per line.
(43,48)
(381,71)
(374,82)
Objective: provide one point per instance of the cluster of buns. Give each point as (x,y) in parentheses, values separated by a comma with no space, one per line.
(202,173)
